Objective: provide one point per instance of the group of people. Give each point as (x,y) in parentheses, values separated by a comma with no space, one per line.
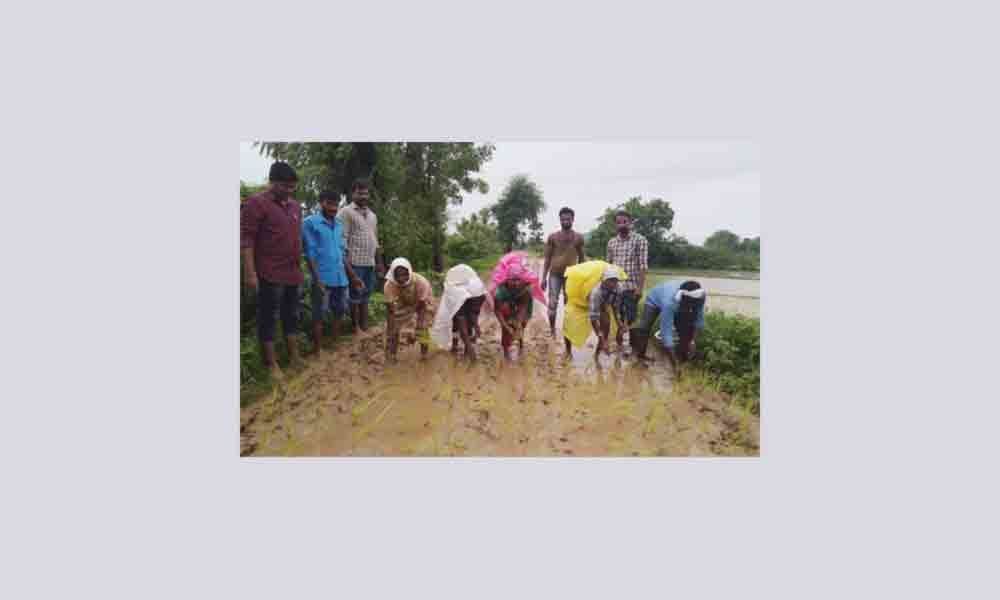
(345,261)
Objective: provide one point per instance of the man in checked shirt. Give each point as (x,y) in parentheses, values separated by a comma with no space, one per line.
(630,251)
(363,251)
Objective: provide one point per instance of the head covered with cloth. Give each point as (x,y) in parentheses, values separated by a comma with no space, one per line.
(461,284)
(406,294)
(513,268)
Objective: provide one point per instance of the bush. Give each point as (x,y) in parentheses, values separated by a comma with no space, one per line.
(729,352)
(251,369)
(462,249)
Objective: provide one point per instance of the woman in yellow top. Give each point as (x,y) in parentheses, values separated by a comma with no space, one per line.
(406,294)
(593,297)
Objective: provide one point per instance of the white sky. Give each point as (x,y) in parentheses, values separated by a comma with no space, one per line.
(711,185)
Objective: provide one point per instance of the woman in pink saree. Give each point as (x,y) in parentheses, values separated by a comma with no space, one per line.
(512,291)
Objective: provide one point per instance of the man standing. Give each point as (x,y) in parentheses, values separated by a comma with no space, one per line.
(324,247)
(271,243)
(363,251)
(564,248)
(630,251)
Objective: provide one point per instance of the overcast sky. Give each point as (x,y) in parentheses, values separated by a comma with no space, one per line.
(710,185)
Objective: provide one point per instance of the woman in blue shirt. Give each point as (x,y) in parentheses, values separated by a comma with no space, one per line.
(680,305)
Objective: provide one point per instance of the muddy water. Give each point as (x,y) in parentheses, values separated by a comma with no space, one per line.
(349,403)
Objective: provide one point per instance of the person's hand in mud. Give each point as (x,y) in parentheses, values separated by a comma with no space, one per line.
(505,326)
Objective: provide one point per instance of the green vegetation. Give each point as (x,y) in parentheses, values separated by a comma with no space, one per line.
(475,237)
(728,353)
(727,358)
(745,256)
(413,184)
(520,204)
(653,219)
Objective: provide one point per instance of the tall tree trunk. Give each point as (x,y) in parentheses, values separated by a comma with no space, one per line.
(438,253)
(438,208)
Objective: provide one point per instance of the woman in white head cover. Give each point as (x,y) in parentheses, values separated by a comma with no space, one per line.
(458,314)
(406,294)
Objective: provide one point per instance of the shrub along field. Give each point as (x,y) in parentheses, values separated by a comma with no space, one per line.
(728,352)
(728,355)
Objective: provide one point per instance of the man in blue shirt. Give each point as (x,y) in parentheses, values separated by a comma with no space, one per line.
(323,244)
(680,305)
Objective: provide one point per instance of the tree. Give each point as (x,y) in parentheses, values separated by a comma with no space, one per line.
(536,239)
(724,240)
(249,189)
(328,166)
(716,255)
(437,174)
(520,204)
(750,246)
(652,219)
(412,185)
(476,236)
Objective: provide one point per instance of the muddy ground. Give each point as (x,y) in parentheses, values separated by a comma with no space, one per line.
(348,403)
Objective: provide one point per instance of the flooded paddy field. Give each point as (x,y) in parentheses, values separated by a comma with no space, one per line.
(348,402)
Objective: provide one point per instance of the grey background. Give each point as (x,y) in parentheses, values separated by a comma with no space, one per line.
(121,474)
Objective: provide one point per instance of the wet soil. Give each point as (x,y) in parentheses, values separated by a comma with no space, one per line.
(348,402)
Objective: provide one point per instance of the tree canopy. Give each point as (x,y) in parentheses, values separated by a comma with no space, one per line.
(652,219)
(723,240)
(520,204)
(412,185)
